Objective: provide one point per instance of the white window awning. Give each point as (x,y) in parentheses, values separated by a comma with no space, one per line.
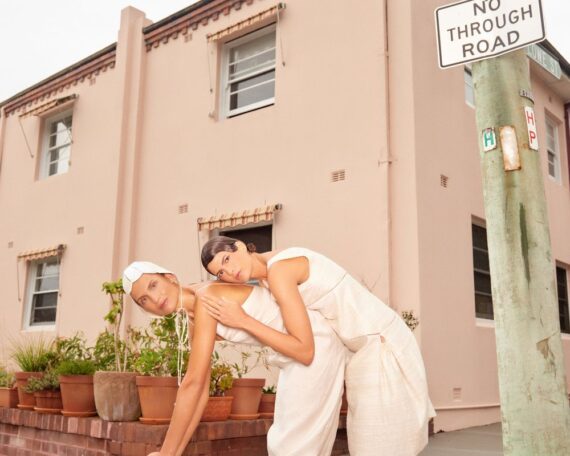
(259,214)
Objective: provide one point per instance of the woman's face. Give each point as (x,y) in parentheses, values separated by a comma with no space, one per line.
(156,293)
(232,267)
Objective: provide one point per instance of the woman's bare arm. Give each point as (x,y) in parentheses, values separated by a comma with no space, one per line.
(190,401)
(284,278)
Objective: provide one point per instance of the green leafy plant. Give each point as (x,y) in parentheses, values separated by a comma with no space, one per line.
(76,367)
(33,354)
(7,379)
(410,319)
(158,355)
(221,378)
(48,381)
(270,390)
(121,356)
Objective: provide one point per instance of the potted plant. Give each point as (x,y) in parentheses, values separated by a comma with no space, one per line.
(8,390)
(247,391)
(219,404)
(33,356)
(116,397)
(157,364)
(267,403)
(46,391)
(76,380)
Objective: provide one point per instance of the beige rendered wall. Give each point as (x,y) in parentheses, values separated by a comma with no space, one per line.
(459,349)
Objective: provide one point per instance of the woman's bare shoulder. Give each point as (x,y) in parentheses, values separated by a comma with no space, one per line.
(225,290)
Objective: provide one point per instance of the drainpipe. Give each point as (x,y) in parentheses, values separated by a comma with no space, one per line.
(384,164)
(2,130)
(566,131)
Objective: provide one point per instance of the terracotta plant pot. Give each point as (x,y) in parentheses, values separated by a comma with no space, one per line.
(157,396)
(26,401)
(48,401)
(267,405)
(116,396)
(77,395)
(218,408)
(247,395)
(9,397)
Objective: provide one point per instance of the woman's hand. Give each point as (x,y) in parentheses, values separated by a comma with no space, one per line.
(228,313)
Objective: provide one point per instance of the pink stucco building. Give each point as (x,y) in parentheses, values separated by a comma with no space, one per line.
(326,124)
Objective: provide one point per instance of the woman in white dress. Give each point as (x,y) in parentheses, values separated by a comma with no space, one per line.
(308,400)
(388,402)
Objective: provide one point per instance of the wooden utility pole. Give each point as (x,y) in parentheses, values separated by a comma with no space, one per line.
(534,402)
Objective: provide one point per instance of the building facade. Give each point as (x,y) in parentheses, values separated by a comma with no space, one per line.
(319,124)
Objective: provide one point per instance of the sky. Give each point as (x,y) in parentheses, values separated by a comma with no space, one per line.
(41,37)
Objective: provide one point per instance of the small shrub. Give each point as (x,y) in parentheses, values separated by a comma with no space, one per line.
(33,355)
(76,367)
(7,379)
(48,381)
(410,319)
(270,390)
(221,378)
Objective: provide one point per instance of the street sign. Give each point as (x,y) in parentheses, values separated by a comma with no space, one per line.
(473,30)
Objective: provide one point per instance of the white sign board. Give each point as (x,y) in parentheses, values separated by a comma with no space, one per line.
(478,29)
(531,126)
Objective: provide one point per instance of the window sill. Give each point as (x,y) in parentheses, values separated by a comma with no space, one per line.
(39,328)
(565,336)
(484,323)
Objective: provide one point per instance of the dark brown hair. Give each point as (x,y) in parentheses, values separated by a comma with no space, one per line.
(220,244)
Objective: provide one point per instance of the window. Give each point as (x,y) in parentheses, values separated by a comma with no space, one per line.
(469,91)
(482,274)
(248,72)
(43,289)
(552,150)
(562,289)
(260,236)
(56,145)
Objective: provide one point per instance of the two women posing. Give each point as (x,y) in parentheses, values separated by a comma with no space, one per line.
(328,329)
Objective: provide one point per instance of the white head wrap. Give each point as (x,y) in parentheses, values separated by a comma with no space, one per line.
(136,269)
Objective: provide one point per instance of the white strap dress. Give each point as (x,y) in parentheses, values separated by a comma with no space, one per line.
(388,402)
(308,398)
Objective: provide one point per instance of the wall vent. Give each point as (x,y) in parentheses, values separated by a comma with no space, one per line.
(456,394)
(443,180)
(338,175)
(80,229)
(183,209)
(10,244)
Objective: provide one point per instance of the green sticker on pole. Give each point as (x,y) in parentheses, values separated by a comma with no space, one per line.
(489,139)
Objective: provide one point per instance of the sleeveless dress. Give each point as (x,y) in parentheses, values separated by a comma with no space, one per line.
(388,402)
(308,398)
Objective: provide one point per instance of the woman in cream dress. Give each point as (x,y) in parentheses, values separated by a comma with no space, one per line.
(308,400)
(389,405)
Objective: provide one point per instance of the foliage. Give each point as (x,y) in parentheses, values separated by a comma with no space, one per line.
(158,355)
(76,367)
(410,319)
(33,354)
(121,357)
(249,360)
(48,381)
(270,390)
(72,348)
(7,379)
(221,378)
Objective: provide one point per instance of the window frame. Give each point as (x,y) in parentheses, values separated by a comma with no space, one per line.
(480,271)
(565,299)
(47,122)
(549,121)
(468,77)
(32,276)
(224,70)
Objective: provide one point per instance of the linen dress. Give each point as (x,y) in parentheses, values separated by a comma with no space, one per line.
(308,398)
(388,402)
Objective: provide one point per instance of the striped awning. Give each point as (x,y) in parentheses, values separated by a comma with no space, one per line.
(39,254)
(246,22)
(259,214)
(48,106)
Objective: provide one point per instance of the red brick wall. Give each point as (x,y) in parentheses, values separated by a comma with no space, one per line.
(24,433)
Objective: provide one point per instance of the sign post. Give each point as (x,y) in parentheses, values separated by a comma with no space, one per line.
(534,402)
